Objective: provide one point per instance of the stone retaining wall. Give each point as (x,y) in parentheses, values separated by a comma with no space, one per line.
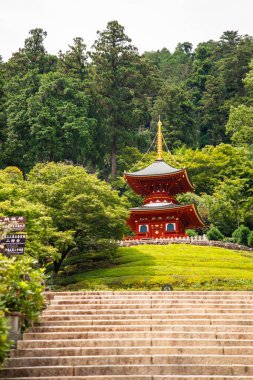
(197,240)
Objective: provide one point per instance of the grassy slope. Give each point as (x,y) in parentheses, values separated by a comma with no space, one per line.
(183,266)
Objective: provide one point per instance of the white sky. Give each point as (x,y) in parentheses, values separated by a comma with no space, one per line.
(151,24)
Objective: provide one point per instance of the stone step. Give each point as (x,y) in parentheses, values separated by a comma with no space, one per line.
(138,334)
(166,305)
(161,369)
(131,360)
(149,293)
(153,311)
(85,351)
(159,300)
(189,316)
(133,342)
(169,321)
(142,328)
(139,377)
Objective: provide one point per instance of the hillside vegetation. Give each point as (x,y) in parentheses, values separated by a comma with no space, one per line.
(185,267)
(69,122)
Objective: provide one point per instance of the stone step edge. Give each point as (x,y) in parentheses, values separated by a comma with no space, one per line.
(145,356)
(120,334)
(132,366)
(137,377)
(135,339)
(139,347)
(146,325)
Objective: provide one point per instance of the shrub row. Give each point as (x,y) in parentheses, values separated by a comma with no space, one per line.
(21,291)
(242,235)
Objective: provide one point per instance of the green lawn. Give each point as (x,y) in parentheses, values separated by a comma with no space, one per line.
(182,266)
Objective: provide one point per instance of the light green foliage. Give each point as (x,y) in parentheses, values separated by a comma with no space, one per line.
(191,232)
(66,209)
(228,205)
(240,125)
(5,343)
(82,208)
(214,234)
(241,235)
(250,239)
(210,165)
(21,287)
(186,267)
(15,199)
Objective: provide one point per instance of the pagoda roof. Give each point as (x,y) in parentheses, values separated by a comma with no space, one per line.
(157,168)
(190,212)
(159,172)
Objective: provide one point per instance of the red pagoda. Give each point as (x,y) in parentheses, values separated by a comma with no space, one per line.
(161,216)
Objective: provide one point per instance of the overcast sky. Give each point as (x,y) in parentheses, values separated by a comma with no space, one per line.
(151,24)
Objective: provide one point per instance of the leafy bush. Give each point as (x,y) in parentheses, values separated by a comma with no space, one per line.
(5,343)
(229,240)
(21,287)
(241,235)
(250,239)
(191,233)
(214,234)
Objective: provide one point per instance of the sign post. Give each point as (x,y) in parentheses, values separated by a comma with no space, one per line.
(12,244)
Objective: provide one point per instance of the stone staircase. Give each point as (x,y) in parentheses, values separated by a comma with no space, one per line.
(138,336)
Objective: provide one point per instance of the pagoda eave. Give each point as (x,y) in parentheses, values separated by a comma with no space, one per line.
(188,212)
(175,183)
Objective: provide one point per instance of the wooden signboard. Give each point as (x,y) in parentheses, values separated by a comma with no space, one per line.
(12,243)
(12,223)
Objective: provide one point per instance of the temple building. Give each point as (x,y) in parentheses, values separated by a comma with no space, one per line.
(161,216)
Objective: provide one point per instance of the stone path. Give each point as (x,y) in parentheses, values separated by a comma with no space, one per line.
(138,336)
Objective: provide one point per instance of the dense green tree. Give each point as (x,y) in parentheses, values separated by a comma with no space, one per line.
(2,112)
(82,208)
(22,77)
(67,210)
(177,111)
(58,115)
(225,85)
(172,67)
(202,65)
(119,89)
(74,62)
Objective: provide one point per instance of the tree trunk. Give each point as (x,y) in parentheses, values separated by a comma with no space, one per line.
(113,159)
(57,265)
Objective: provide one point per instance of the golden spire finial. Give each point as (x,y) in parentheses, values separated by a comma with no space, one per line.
(159,140)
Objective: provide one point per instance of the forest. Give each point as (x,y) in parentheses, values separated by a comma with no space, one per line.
(92,113)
